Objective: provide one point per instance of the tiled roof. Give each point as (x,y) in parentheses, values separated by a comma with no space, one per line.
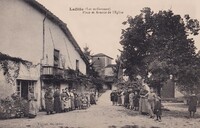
(101,55)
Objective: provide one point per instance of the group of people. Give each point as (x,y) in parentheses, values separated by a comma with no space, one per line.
(146,102)
(128,99)
(150,103)
(67,100)
(56,102)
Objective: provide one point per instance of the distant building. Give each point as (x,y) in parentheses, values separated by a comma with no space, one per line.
(103,65)
(31,32)
(100,61)
(110,75)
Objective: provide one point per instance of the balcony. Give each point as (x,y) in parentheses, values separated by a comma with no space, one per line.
(49,72)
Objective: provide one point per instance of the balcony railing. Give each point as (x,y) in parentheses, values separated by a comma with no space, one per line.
(51,70)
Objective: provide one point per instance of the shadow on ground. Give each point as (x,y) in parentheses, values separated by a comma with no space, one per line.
(130,126)
(170,113)
(178,114)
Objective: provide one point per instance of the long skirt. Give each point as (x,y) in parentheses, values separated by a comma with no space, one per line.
(192,108)
(131,102)
(32,109)
(143,105)
(119,100)
(67,104)
(57,105)
(63,104)
(126,100)
(72,103)
(76,103)
(49,105)
(122,97)
(136,102)
(92,100)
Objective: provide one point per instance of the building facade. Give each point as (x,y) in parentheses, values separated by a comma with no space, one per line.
(31,32)
(100,61)
(103,65)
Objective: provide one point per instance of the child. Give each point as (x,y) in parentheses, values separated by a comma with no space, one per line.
(157,108)
(79,102)
(84,102)
(131,100)
(136,101)
(192,105)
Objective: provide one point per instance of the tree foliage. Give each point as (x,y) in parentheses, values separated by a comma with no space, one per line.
(160,44)
(87,52)
(92,73)
(11,67)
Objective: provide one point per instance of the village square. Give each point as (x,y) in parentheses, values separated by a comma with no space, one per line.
(48,80)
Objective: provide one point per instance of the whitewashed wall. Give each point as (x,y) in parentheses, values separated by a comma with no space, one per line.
(21,35)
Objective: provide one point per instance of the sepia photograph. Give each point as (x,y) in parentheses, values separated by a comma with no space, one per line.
(99,64)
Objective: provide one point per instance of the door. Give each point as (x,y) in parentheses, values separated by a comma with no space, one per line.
(24,89)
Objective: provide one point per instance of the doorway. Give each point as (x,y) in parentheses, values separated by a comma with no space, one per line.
(23,87)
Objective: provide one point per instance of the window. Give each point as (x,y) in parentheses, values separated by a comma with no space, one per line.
(23,86)
(56,58)
(77,65)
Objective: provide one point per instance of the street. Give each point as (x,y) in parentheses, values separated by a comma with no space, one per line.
(104,115)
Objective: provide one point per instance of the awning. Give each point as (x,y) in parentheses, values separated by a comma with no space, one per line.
(27,78)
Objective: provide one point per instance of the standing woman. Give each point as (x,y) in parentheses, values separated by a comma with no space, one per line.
(92,98)
(68,99)
(143,102)
(49,101)
(76,104)
(112,96)
(57,101)
(72,99)
(136,101)
(32,105)
(119,98)
(126,99)
(122,97)
(63,98)
(131,95)
(151,102)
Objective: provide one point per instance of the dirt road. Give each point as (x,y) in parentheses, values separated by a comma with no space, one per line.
(103,115)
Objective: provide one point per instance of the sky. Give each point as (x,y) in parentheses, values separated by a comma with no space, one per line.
(98,23)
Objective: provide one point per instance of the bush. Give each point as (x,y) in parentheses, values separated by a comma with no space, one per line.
(6,108)
(13,108)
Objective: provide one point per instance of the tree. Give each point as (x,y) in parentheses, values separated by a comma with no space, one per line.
(91,70)
(118,69)
(87,52)
(92,73)
(159,44)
